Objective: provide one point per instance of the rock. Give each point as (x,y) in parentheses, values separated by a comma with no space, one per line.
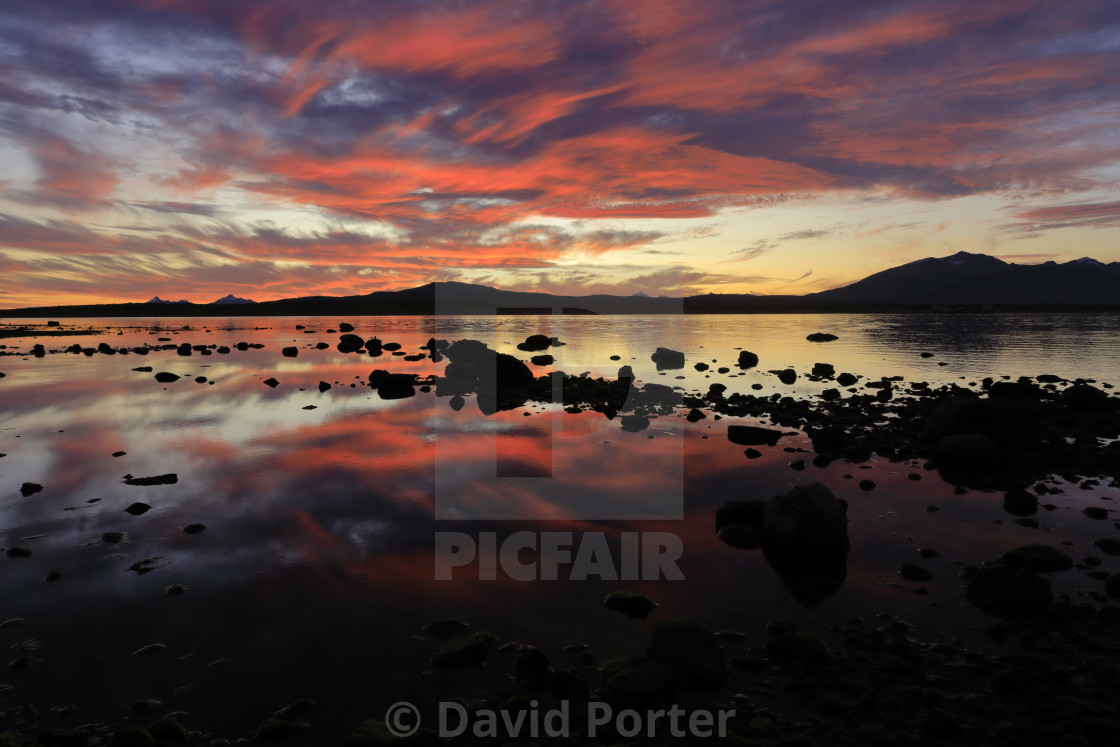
(29,489)
(867,485)
(535,343)
(914,572)
(345,327)
(373,346)
(324,386)
(747,359)
(194,529)
(136,509)
(1112,586)
(701,366)
(637,682)
(846,379)
(273,383)
(830,394)
(393,385)
(965,450)
(751,435)
(1020,502)
(112,538)
(350,344)
(456,403)
(798,648)
(184,349)
(445,629)
(787,376)
(1095,512)
(808,522)
(625,372)
(1037,559)
(169,479)
(689,649)
(752,453)
(1086,397)
(637,606)
(824,370)
(634,423)
(17,552)
(175,590)
(542,360)
(463,653)
(166,377)
(131,736)
(1108,545)
(290,352)
(531,665)
(742,537)
(821,337)
(667,359)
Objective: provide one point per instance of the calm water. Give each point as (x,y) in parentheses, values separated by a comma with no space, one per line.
(315,572)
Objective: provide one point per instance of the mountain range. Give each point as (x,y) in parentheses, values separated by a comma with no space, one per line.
(962,281)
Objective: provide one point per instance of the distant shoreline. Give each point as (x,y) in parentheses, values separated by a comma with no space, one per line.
(675,307)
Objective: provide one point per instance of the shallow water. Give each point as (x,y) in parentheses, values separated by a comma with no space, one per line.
(315,572)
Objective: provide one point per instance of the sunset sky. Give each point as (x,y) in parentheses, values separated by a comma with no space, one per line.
(278,148)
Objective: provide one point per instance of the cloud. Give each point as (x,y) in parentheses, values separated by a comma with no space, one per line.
(1084,215)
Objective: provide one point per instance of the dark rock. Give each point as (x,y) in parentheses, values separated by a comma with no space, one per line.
(808,522)
(531,665)
(1020,502)
(1037,559)
(1095,512)
(824,370)
(750,435)
(637,606)
(445,629)
(289,352)
(690,649)
(184,349)
(112,538)
(747,359)
(456,403)
(137,509)
(1112,586)
(345,327)
(542,360)
(463,653)
(965,449)
(29,489)
(701,366)
(1009,591)
(168,479)
(324,386)
(166,377)
(1108,545)
(634,423)
(1085,397)
(787,376)
(194,529)
(695,415)
(17,552)
(846,379)
(393,385)
(867,485)
(821,337)
(270,382)
(535,343)
(350,344)
(667,359)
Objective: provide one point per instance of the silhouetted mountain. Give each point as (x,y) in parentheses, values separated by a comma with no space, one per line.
(961,280)
(157,299)
(231,299)
(978,279)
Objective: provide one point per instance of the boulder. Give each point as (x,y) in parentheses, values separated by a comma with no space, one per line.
(824,370)
(1020,502)
(290,352)
(747,359)
(535,343)
(808,522)
(750,435)
(667,359)
(1086,397)
(350,343)
(166,377)
(821,337)
(787,376)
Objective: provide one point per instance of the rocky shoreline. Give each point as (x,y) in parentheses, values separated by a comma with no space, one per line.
(1050,675)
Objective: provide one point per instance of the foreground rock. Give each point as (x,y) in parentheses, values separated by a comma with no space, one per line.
(1009,592)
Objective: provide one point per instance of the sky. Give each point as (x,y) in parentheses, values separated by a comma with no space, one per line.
(282,148)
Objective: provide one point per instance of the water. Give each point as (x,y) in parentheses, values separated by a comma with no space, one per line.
(315,573)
